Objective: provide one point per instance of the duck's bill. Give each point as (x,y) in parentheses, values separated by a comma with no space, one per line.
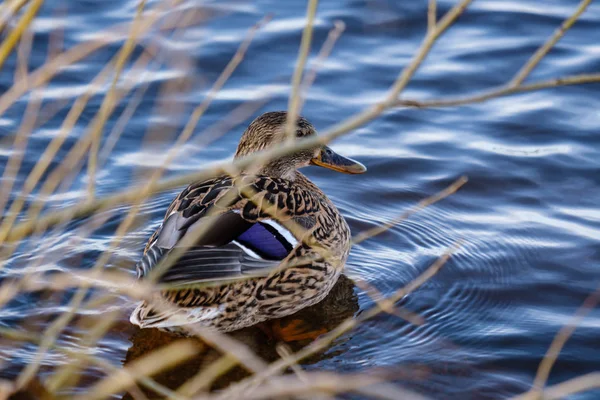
(328,158)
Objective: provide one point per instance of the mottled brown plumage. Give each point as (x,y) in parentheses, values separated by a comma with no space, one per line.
(270,225)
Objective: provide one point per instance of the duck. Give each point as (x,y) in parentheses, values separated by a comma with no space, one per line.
(245,248)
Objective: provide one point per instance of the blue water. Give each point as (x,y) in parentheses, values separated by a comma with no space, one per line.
(528,216)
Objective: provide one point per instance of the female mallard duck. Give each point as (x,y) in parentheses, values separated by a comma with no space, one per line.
(270,225)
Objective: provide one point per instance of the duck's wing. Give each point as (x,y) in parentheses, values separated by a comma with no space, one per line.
(236,237)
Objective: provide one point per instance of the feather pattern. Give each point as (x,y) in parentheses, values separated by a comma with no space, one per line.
(283,236)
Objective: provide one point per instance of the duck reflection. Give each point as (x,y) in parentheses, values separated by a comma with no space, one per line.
(297,330)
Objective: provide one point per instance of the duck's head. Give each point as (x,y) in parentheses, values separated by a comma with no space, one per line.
(268,130)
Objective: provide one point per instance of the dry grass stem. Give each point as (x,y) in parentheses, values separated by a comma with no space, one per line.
(111,35)
(72,159)
(284,352)
(8,9)
(23,53)
(25,129)
(7,45)
(322,383)
(558,343)
(20,336)
(10,289)
(48,155)
(110,99)
(293,102)
(317,383)
(149,364)
(67,375)
(65,318)
(205,377)
(235,61)
(75,156)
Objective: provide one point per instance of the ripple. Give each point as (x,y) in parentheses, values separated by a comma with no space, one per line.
(527,218)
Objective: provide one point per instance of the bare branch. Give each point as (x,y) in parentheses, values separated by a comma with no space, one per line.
(501,91)
(546,47)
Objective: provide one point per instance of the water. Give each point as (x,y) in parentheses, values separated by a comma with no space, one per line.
(528,217)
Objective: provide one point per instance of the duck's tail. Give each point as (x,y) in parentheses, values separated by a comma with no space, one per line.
(147,316)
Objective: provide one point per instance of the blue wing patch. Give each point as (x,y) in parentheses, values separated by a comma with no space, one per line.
(265,241)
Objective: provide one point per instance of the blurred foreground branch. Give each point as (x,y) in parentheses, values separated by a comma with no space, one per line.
(264,383)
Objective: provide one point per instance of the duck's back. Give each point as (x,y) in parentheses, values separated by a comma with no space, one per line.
(253,219)
(235,228)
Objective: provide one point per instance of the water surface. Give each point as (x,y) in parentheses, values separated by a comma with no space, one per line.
(528,217)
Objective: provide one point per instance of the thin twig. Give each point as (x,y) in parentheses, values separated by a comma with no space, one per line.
(68,163)
(310,76)
(8,9)
(293,102)
(431,15)
(430,39)
(147,365)
(364,235)
(111,35)
(377,296)
(546,47)
(320,383)
(559,342)
(21,336)
(203,379)
(562,390)
(23,53)
(27,123)
(284,352)
(109,102)
(500,91)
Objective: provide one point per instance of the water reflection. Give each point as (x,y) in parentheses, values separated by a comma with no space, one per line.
(340,304)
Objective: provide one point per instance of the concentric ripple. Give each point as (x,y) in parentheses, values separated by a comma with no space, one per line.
(527,220)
